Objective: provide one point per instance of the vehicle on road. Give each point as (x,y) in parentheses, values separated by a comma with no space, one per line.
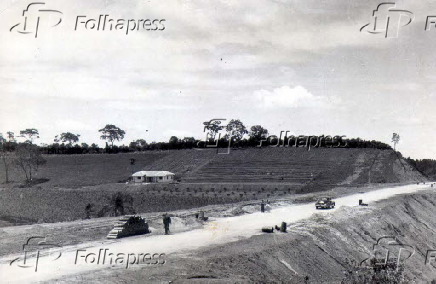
(325,203)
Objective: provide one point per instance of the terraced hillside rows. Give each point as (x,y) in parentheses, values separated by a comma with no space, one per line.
(88,186)
(319,167)
(287,165)
(183,162)
(310,169)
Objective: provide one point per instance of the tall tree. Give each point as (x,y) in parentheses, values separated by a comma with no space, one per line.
(257,133)
(28,159)
(111,133)
(4,157)
(188,142)
(67,137)
(213,127)
(85,148)
(139,144)
(30,134)
(395,139)
(174,142)
(236,129)
(94,148)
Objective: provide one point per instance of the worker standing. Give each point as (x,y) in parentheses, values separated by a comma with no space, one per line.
(267,206)
(262,206)
(166,222)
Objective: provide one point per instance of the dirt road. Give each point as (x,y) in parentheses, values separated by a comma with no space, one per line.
(84,258)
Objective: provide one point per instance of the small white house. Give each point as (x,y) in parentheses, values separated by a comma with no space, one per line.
(152,176)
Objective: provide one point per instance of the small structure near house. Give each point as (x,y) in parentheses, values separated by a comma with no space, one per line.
(153,176)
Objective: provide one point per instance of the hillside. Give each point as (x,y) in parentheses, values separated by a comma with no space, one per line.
(319,167)
(331,244)
(96,184)
(425,166)
(326,248)
(86,170)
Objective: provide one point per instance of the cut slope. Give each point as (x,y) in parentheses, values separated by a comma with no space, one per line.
(317,169)
(321,249)
(314,169)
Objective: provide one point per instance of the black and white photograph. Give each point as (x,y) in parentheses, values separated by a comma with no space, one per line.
(226,141)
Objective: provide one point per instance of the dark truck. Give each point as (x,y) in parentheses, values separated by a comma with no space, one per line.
(325,203)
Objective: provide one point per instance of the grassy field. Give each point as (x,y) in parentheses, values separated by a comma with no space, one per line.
(80,186)
(254,165)
(74,171)
(54,205)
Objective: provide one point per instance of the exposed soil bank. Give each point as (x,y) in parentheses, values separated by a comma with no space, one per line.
(320,249)
(96,229)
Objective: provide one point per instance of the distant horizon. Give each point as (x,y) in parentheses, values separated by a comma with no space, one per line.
(303,66)
(41,140)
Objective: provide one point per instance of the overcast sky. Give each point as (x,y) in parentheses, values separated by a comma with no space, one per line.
(297,65)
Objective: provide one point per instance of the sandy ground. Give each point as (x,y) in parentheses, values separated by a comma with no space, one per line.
(77,259)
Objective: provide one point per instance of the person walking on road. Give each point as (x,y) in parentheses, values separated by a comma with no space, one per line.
(166,222)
